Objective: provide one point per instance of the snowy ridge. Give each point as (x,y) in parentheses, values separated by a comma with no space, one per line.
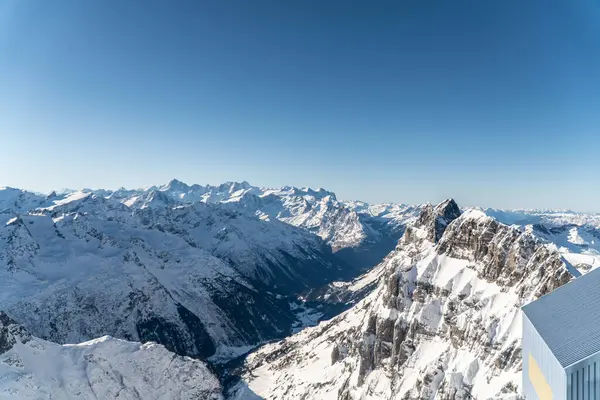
(104,368)
(370,231)
(576,235)
(444,322)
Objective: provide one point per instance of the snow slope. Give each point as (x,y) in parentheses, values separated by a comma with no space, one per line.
(104,368)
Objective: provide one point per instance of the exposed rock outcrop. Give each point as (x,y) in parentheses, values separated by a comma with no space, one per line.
(443,323)
(11,333)
(435,219)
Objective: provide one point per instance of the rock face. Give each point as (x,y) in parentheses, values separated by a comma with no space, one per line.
(106,368)
(11,333)
(576,235)
(435,219)
(443,323)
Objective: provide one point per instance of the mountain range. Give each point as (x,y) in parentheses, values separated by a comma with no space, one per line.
(409,302)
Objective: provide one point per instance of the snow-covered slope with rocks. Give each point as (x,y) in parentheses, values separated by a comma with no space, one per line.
(78,276)
(210,271)
(576,235)
(443,323)
(361,233)
(198,278)
(104,368)
(273,253)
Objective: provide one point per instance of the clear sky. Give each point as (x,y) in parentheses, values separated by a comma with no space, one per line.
(494,103)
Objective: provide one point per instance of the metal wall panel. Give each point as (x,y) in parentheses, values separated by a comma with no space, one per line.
(553,372)
(584,379)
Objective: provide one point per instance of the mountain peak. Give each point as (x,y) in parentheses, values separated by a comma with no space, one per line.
(435,219)
(235,186)
(447,209)
(175,184)
(319,193)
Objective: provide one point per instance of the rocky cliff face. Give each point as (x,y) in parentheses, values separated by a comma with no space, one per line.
(576,235)
(11,333)
(434,220)
(443,323)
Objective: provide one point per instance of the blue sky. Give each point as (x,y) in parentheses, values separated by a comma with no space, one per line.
(495,103)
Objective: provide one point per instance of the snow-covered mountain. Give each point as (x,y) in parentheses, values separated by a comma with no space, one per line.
(443,323)
(211,271)
(360,233)
(204,270)
(194,277)
(78,277)
(104,368)
(576,235)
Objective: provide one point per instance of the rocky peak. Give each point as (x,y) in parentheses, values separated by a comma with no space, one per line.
(444,321)
(497,264)
(320,193)
(503,254)
(435,219)
(11,333)
(176,185)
